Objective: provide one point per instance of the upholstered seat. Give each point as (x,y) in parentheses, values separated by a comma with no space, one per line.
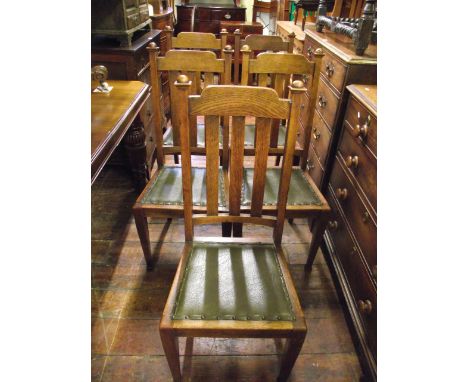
(300,192)
(250,135)
(166,188)
(233,282)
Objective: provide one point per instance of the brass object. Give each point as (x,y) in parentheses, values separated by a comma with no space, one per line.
(309,164)
(341,193)
(365,306)
(316,134)
(352,161)
(99,73)
(322,101)
(329,69)
(365,217)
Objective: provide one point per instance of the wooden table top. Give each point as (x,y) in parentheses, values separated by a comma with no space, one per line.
(111,113)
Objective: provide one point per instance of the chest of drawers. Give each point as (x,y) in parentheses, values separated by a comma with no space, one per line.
(340,67)
(206,17)
(351,236)
(130,63)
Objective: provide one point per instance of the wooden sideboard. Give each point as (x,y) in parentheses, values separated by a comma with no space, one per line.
(206,17)
(328,116)
(131,63)
(245,28)
(351,236)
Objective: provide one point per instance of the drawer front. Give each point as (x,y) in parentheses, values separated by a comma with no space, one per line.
(364,293)
(359,218)
(326,103)
(144,13)
(361,163)
(304,112)
(320,138)
(309,47)
(133,20)
(252,29)
(314,167)
(228,14)
(298,47)
(334,70)
(208,27)
(300,135)
(363,124)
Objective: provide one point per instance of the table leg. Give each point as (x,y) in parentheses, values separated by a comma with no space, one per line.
(136,149)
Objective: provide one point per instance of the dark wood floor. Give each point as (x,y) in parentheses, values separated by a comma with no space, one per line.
(127,302)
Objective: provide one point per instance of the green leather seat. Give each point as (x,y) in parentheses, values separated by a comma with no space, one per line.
(300,192)
(233,282)
(167,187)
(250,135)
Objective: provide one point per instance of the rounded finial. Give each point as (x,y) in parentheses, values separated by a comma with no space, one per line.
(152,45)
(298,84)
(292,34)
(228,47)
(223,30)
(167,28)
(182,79)
(245,47)
(237,30)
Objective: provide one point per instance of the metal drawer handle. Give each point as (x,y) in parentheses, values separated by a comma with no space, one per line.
(305,79)
(332,225)
(341,193)
(352,161)
(365,306)
(150,139)
(322,101)
(365,217)
(227,16)
(309,164)
(316,134)
(361,130)
(302,106)
(309,52)
(329,69)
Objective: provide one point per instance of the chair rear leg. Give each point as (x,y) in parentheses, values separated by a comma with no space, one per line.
(176,158)
(141,223)
(317,236)
(170,345)
(292,350)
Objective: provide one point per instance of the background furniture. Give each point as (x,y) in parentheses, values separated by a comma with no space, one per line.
(285,28)
(234,289)
(132,63)
(206,17)
(119,18)
(351,237)
(115,115)
(245,28)
(161,21)
(340,67)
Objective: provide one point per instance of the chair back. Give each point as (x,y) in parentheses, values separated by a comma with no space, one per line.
(278,70)
(193,64)
(237,102)
(259,43)
(195,40)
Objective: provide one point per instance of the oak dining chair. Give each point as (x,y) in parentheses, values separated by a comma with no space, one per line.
(228,287)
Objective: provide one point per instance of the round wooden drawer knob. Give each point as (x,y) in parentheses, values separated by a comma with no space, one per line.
(352,161)
(342,193)
(374,271)
(365,306)
(361,130)
(332,225)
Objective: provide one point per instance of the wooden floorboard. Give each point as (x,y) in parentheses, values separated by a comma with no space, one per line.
(127,303)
